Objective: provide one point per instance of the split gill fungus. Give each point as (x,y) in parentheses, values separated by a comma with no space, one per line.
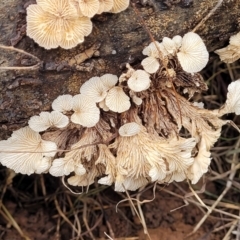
(65,23)
(140,127)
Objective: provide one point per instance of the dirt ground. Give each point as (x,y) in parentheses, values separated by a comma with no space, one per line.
(167,217)
(40,207)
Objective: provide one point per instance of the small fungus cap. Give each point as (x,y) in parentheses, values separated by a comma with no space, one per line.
(136,100)
(235,40)
(34,153)
(169,45)
(150,64)
(39,28)
(129,129)
(178,41)
(119,5)
(200,164)
(193,55)
(117,100)
(89,7)
(152,50)
(109,80)
(74,32)
(56,23)
(63,103)
(86,113)
(94,89)
(139,81)
(105,6)
(233,98)
(103,105)
(45,120)
(228,54)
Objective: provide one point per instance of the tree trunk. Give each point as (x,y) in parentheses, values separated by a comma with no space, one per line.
(116,39)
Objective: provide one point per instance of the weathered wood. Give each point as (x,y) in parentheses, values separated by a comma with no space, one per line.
(120,38)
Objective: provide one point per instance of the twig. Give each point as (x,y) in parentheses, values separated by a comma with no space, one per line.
(65,185)
(36,66)
(63,150)
(6,214)
(226,237)
(63,215)
(228,186)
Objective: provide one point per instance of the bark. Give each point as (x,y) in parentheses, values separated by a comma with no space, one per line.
(116,39)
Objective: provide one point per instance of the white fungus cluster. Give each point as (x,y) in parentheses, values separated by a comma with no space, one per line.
(189,49)
(127,131)
(65,23)
(231,53)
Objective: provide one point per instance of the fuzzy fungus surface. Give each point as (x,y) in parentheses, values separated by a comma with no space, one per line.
(128,130)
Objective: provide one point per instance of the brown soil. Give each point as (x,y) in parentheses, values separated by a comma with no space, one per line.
(167,217)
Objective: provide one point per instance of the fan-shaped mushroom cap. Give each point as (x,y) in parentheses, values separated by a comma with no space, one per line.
(129,129)
(228,54)
(61,167)
(105,6)
(45,120)
(89,7)
(150,64)
(33,156)
(106,180)
(156,174)
(82,180)
(39,28)
(86,113)
(56,23)
(233,99)
(128,183)
(63,103)
(56,7)
(109,80)
(152,50)
(136,100)
(58,119)
(193,55)
(177,40)
(117,100)
(103,105)
(139,81)
(200,164)
(74,32)
(169,45)
(235,40)
(94,89)
(119,5)
(40,123)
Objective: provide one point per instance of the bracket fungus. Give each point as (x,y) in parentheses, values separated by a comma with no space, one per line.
(127,131)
